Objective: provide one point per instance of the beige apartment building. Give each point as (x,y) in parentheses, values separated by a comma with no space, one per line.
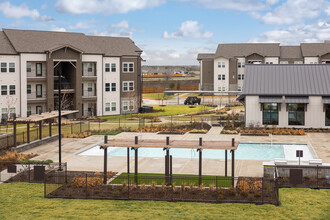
(224,70)
(100,75)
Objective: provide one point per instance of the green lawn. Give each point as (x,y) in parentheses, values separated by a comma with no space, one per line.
(178,179)
(168,110)
(25,201)
(156,96)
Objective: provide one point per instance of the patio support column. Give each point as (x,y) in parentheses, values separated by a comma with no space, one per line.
(200,167)
(226,168)
(136,166)
(28,131)
(171,174)
(105,160)
(232,162)
(128,160)
(40,130)
(15,138)
(50,127)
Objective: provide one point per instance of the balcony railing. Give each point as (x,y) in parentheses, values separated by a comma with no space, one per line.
(64,85)
(37,96)
(89,93)
(86,74)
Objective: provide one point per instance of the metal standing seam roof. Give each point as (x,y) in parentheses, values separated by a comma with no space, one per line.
(270,99)
(286,80)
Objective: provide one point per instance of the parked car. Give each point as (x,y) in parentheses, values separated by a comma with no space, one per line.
(146,109)
(192,100)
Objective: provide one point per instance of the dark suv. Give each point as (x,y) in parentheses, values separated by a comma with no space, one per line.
(192,100)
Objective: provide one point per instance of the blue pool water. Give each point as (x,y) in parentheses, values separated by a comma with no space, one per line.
(245,151)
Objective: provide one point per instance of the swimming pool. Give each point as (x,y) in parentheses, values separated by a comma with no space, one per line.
(245,151)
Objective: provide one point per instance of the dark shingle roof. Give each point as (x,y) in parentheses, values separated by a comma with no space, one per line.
(288,52)
(294,80)
(116,46)
(5,46)
(315,49)
(246,49)
(202,56)
(28,41)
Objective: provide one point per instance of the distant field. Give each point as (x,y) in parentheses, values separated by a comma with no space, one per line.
(26,201)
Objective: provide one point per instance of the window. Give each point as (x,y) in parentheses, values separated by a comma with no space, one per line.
(29,110)
(223,65)
(113,87)
(239,88)
(242,76)
(131,67)
(239,64)
(223,77)
(284,62)
(4,114)
(107,87)
(28,88)
(327,115)
(269,62)
(89,107)
(113,67)
(219,64)
(270,114)
(131,86)
(128,67)
(3,67)
(312,62)
(296,114)
(3,90)
(219,89)
(125,106)
(219,76)
(107,107)
(89,67)
(12,112)
(223,89)
(107,67)
(11,67)
(28,67)
(82,89)
(39,69)
(131,105)
(12,90)
(298,62)
(38,109)
(239,76)
(113,106)
(39,90)
(243,64)
(128,86)
(90,87)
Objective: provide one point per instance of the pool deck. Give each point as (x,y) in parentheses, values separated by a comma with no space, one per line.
(71,146)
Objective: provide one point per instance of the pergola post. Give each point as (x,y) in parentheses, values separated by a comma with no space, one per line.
(167,161)
(15,138)
(136,166)
(50,127)
(226,168)
(128,160)
(40,130)
(28,131)
(233,163)
(171,173)
(200,162)
(105,160)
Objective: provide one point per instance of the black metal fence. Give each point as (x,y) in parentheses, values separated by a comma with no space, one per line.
(214,189)
(303,176)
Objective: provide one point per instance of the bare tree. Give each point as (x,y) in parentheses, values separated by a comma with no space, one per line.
(10,104)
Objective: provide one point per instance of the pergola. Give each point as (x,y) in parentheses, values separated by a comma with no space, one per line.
(38,118)
(166,145)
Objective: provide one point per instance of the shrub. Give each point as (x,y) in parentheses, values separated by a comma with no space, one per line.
(229,132)
(156,120)
(191,186)
(153,185)
(211,187)
(251,197)
(183,186)
(13,156)
(232,191)
(201,186)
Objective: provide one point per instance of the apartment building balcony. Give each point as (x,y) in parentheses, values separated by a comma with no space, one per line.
(89,95)
(37,97)
(33,77)
(89,76)
(65,87)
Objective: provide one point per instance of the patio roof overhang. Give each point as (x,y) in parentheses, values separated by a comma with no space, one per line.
(190,144)
(43,116)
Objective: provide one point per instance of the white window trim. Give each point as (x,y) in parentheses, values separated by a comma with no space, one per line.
(128,90)
(105,67)
(125,103)
(128,63)
(105,107)
(115,106)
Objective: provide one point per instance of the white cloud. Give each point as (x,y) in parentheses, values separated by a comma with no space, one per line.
(107,7)
(59,29)
(189,29)
(294,35)
(272,2)
(13,11)
(295,12)
(79,25)
(174,57)
(121,29)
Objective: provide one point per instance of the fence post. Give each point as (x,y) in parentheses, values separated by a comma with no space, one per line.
(262,190)
(23,138)
(86,186)
(80,126)
(119,123)
(99,124)
(71,128)
(89,125)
